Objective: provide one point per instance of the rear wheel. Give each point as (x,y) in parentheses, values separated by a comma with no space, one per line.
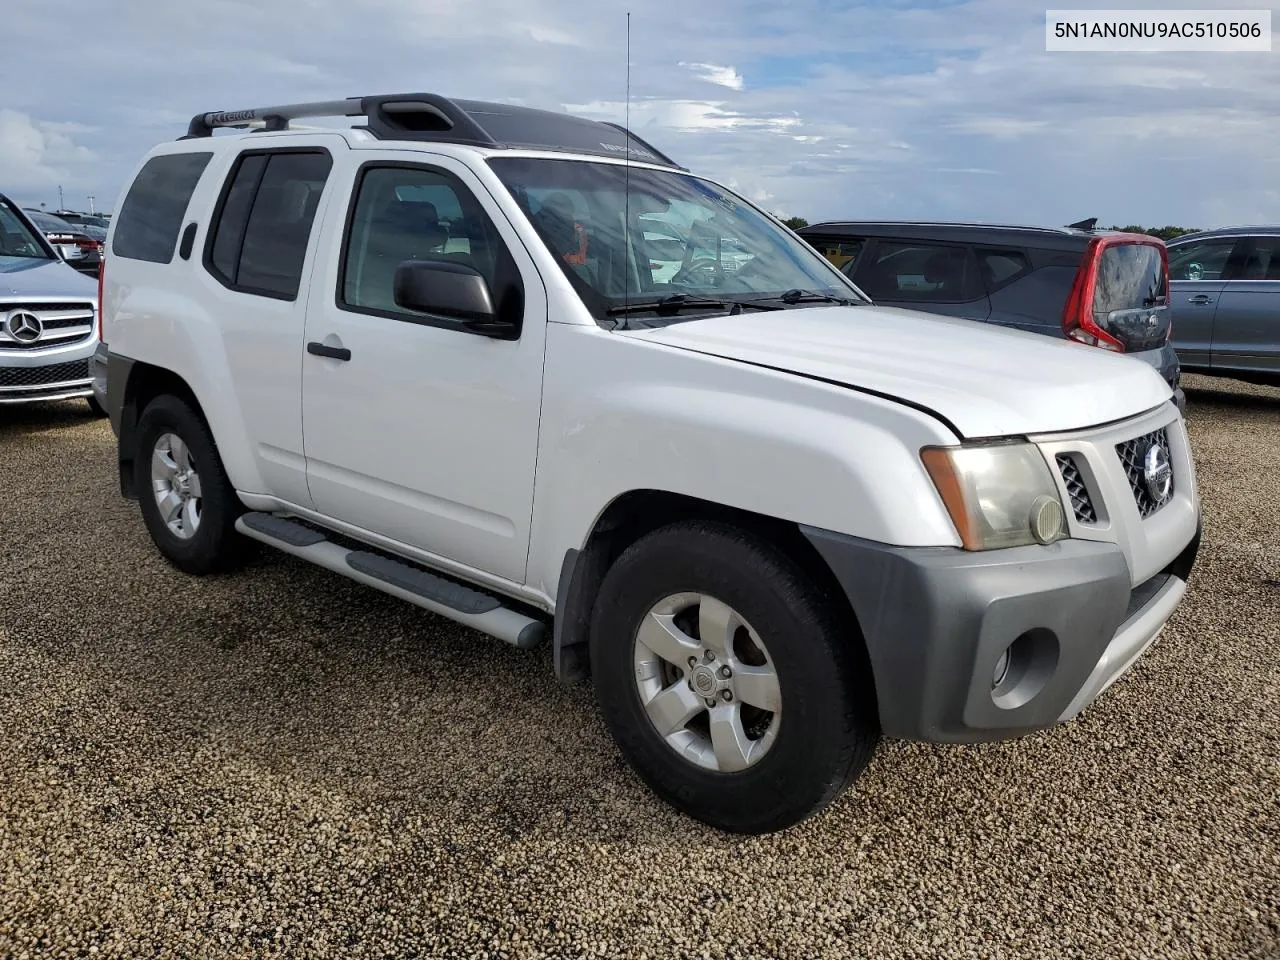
(727,680)
(188,503)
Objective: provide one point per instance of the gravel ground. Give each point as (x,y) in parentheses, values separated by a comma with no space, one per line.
(281,763)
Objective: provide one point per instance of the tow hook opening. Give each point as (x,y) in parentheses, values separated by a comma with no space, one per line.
(1023,668)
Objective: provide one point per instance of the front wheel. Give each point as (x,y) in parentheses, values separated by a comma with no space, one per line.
(188,503)
(727,679)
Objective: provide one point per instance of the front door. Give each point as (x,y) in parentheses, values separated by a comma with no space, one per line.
(423,432)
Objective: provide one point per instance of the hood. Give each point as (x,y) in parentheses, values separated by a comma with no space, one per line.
(986,381)
(39,279)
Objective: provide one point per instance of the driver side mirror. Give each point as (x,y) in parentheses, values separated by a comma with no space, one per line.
(454,290)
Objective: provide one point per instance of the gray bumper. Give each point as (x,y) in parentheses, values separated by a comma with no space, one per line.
(936,621)
(98,370)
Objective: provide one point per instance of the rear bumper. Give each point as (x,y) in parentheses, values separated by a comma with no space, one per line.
(937,620)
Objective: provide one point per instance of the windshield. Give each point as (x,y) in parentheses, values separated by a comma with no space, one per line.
(16,238)
(685,239)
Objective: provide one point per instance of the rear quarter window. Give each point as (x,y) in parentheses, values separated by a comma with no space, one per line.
(151,216)
(1130,277)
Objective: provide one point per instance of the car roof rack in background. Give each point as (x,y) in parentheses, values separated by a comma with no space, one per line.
(433,118)
(1090,224)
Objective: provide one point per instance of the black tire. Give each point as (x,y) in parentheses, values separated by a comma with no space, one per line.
(215,546)
(95,407)
(828,730)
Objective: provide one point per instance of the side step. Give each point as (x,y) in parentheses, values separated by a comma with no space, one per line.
(470,607)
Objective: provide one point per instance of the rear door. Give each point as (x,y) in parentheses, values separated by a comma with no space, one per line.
(258,255)
(1198,271)
(1246,327)
(923,275)
(1026,292)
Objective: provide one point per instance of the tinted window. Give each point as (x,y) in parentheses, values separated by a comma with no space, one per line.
(1200,259)
(413,213)
(1262,260)
(228,232)
(151,216)
(915,271)
(1130,277)
(843,254)
(260,239)
(1001,266)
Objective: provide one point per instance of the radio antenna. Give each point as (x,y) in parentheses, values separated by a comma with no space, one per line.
(626,187)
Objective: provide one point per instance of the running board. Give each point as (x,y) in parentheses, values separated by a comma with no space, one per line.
(463,604)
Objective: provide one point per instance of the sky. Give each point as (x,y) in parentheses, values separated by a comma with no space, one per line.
(920,109)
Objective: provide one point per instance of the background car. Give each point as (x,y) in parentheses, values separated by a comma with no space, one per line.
(74,245)
(1104,289)
(84,219)
(1226,302)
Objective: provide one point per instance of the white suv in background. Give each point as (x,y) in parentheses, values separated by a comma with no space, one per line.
(772,521)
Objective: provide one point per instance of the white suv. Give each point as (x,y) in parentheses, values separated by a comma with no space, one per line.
(772,521)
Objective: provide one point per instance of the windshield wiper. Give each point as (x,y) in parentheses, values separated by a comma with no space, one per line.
(792,297)
(672,303)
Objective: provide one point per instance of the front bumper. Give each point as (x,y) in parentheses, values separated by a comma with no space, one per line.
(936,621)
(38,376)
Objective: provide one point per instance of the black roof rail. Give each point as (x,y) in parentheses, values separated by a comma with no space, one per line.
(430,117)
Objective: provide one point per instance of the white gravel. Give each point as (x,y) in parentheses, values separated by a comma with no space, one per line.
(281,763)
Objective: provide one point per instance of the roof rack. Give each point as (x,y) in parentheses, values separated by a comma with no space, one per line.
(433,118)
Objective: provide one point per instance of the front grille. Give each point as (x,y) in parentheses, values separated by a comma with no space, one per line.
(41,376)
(1132,454)
(1081,502)
(62,324)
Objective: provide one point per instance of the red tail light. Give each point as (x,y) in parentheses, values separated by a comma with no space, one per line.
(1077,318)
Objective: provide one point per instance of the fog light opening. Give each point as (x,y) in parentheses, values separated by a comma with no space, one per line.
(1024,668)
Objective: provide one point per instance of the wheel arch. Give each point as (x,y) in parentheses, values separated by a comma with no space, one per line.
(636,513)
(145,382)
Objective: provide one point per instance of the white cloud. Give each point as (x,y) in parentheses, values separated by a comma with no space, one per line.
(721,76)
(37,156)
(883,109)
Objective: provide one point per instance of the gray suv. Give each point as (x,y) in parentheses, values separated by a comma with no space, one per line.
(1104,289)
(1225,288)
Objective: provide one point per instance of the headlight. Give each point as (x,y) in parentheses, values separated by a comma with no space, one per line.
(998,494)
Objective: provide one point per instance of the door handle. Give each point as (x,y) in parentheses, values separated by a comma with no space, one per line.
(318,349)
(1199,299)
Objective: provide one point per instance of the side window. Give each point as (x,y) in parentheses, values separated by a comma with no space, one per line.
(1260,261)
(916,271)
(259,239)
(999,267)
(843,254)
(414,213)
(151,216)
(1201,259)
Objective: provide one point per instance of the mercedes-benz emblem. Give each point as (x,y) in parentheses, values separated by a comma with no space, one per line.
(24,327)
(1157,472)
